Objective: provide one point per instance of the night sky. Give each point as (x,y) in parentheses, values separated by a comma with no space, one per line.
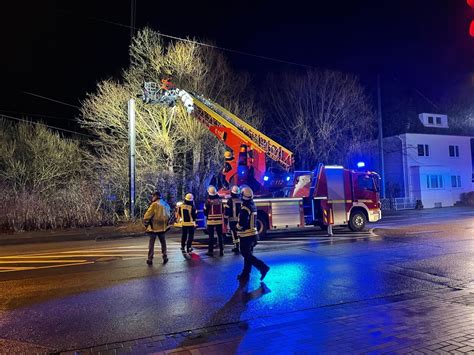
(60,49)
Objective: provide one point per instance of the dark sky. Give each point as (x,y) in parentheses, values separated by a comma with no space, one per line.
(60,49)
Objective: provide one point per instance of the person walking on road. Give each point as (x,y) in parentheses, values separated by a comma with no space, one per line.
(231,214)
(156,223)
(187,218)
(248,235)
(214,213)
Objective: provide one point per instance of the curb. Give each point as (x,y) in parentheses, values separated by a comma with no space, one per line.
(17,240)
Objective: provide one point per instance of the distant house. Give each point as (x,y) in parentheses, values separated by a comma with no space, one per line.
(430,162)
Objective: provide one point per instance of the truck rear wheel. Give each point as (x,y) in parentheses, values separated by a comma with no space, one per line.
(357,221)
(262,225)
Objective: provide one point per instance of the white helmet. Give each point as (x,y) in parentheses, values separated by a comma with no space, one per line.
(211,190)
(247,193)
(235,190)
(189,197)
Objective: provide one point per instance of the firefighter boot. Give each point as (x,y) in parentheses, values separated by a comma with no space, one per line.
(264,272)
(165,259)
(236,249)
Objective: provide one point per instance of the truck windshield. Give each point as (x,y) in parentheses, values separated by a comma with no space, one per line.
(376,180)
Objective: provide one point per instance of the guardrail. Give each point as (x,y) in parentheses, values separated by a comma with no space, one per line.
(399,203)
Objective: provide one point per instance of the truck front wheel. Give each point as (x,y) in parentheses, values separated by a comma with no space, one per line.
(357,221)
(262,225)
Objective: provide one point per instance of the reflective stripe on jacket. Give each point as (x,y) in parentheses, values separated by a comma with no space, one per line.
(187,215)
(232,209)
(213,211)
(247,220)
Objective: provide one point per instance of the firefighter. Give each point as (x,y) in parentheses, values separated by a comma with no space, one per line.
(156,223)
(166,84)
(231,215)
(213,212)
(187,218)
(248,235)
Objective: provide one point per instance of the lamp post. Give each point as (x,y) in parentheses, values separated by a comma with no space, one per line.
(131,157)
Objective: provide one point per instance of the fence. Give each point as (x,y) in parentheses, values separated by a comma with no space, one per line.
(399,203)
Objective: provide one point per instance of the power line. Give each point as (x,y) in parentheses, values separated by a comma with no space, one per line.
(43,124)
(39,115)
(47,98)
(210,45)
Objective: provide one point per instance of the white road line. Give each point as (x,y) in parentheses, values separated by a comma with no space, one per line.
(44,267)
(42,261)
(96,254)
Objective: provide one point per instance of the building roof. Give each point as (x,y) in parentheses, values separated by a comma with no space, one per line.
(414,125)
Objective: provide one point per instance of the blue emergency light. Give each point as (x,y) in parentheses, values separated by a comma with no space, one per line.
(265,178)
(360,164)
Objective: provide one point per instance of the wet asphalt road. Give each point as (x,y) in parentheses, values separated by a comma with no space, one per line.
(110,294)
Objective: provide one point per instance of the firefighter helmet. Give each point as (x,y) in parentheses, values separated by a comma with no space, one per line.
(211,190)
(228,154)
(247,193)
(189,197)
(235,190)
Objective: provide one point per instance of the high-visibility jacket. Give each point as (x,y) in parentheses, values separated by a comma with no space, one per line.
(232,209)
(157,216)
(247,226)
(187,214)
(213,210)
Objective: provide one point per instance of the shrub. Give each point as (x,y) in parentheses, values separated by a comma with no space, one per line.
(467,198)
(45,182)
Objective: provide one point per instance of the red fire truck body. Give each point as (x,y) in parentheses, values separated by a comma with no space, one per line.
(328,195)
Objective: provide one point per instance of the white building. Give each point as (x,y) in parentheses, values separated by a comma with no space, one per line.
(431,165)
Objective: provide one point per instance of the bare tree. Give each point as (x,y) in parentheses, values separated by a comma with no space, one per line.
(323,116)
(175,153)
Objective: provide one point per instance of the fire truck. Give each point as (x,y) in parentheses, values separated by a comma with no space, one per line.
(328,195)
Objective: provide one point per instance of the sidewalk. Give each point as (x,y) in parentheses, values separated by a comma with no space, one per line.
(77,234)
(438,322)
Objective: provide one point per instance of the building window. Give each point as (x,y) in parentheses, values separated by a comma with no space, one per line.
(455,181)
(438,120)
(454,151)
(423,150)
(430,120)
(434,181)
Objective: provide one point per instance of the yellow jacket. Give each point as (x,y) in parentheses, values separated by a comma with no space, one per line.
(157,215)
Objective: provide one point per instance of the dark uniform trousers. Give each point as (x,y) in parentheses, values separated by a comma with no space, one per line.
(187,236)
(246,249)
(233,231)
(151,244)
(218,229)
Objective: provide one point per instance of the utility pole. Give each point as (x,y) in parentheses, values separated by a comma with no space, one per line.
(379,118)
(131,157)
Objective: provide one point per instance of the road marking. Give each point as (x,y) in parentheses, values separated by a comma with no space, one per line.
(43,267)
(42,261)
